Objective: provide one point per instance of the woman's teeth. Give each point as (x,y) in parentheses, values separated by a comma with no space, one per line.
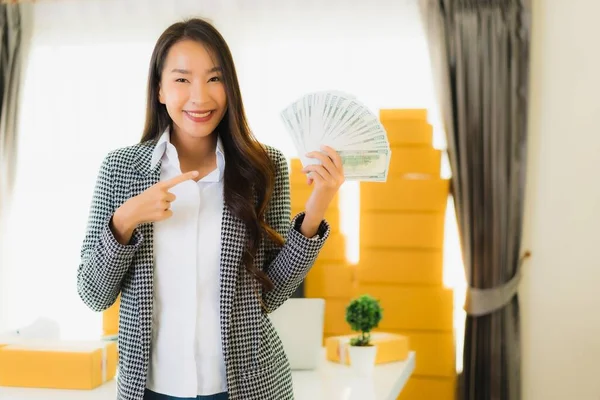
(199,115)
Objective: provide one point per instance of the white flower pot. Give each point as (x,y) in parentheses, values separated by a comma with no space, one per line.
(362,359)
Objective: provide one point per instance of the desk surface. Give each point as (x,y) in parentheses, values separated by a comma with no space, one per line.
(333,381)
(329,381)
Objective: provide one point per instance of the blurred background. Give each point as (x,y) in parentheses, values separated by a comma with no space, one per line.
(82,94)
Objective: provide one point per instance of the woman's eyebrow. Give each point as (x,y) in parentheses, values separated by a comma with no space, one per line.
(187,72)
(180,71)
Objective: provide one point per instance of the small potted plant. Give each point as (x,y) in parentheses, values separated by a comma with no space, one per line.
(363,314)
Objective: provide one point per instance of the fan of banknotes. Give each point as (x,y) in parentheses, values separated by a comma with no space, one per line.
(338,120)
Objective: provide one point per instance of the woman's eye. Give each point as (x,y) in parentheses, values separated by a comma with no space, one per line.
(182,80)
(215,79)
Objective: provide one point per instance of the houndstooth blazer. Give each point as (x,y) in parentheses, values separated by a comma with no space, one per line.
(256,365)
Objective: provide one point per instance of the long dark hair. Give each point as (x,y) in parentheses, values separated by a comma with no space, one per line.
(249,172)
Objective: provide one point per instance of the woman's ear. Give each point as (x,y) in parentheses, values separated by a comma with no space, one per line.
(160,95)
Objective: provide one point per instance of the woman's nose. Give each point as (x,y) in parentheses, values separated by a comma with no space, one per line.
(199,93)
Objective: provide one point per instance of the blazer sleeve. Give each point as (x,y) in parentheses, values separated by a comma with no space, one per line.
(288,265)
(104,261)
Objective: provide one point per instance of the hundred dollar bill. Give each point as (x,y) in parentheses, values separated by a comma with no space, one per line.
(366,165)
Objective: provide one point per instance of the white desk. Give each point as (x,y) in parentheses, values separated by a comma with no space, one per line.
(333,381)
(329,382)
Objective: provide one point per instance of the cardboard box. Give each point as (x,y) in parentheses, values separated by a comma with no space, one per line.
(335,317)
(330,279)
(408,308)
(402,133)
(403,114)
(435,351)
(110,320)
(299,195)
(401,266)
(332,216)
(390,347)
(422,195)
(334,248)
(420,388)
(58,364)
(413,230)
(415,160)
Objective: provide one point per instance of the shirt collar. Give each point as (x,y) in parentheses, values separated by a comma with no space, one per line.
(165,141)
(220,158)
(160,148)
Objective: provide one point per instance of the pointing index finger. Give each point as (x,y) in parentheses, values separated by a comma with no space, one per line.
(181,178)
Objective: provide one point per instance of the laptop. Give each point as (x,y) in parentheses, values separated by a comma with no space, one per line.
(299,323)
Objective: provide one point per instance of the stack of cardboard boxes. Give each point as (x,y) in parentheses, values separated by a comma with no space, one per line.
(401,257)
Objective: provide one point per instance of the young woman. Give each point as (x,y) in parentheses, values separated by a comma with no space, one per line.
(192,228)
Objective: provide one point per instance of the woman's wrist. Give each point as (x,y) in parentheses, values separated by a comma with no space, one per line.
(122,225)
(310,225)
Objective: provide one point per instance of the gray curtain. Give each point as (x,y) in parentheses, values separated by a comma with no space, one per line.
(10,70)
(480,60)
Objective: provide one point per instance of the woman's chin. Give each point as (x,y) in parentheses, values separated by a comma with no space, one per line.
(195,132)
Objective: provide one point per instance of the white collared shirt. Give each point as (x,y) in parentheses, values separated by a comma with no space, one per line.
(186,356)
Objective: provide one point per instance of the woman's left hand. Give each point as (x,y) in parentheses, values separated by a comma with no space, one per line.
(326,179)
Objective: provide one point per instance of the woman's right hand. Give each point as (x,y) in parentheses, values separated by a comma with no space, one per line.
(152,205)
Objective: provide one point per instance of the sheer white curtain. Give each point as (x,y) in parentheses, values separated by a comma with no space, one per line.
(84,95)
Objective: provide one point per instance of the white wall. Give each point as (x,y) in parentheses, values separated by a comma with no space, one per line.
(561,291)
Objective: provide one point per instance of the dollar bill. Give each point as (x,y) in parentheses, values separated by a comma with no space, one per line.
(340,121)
(365,165)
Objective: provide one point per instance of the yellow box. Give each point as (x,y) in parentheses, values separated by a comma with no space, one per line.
(335,317)
(58,364)
(403,114)
(417,230)
(390,347)
(403,266)
(300,195)
(334,248)
(330,280)
(435,352)
(332,216)
(421,388)
(414,160)
(110,319)
(295,165)
(298,179)
(427,195)
(412,307)
(409,133)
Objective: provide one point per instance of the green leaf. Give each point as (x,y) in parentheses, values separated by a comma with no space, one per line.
(363,314)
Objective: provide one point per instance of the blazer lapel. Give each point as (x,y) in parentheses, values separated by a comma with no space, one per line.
(232,246)
(146,177)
